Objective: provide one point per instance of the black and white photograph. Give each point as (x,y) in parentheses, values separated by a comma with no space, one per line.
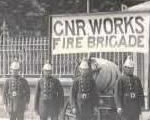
(74,60)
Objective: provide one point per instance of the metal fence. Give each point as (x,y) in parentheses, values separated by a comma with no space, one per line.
(32,52)
(65,64)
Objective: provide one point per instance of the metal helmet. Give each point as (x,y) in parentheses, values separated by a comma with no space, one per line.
(129,62)
(84,64)
(15,65)
(47,66)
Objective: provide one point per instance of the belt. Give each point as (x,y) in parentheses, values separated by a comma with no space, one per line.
(84,95)
(132,95)
(14,94)
(126,94)
(48,96)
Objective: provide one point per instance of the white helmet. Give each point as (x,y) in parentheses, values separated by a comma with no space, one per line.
(15,65)
(129,62)
(47,66)
(84,64)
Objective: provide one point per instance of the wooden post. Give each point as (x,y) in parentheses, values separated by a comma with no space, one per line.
(88,6)
(146,72)
(146,76)
(88,11)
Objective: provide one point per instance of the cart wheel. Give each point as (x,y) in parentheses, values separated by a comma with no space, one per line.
(67,112)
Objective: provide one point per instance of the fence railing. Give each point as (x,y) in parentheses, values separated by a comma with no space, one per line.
(65,64)
(32,52)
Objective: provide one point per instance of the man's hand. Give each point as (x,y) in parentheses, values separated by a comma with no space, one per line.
(26,106)
(74,111)
(5,109)
(37,112)
(119,111)
(96,111)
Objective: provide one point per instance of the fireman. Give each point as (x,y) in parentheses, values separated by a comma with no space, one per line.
(84,97)
(49,98)
(16,94)
(129,94)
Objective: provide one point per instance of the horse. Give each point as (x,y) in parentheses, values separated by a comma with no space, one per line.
(106,74)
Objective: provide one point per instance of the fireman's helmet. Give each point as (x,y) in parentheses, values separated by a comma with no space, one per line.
(84,64)
(47,67)
(15,65)
(129,62)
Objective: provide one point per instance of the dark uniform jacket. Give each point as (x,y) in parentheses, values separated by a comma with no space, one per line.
(84,95)
(129,95)
(16,94)
(51,92)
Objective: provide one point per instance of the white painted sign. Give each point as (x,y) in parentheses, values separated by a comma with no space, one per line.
(110,32)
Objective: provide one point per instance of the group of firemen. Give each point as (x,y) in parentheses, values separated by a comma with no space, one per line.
(49,96)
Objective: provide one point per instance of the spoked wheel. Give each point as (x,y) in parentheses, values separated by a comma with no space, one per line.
(67,113)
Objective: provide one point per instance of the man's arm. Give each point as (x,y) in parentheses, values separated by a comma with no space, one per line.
(73,96)
(60,94)
(27,91)
(5,92)
(37,96)
(140,93)
(118,95)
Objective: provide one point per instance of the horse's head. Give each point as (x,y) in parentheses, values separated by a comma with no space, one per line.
(104,72)
(93,64)
(93,67)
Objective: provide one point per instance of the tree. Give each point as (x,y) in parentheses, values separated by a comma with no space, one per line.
(31,14)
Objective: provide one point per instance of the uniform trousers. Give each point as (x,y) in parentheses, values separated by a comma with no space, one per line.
(16,115)
(48,109)
(85,110)
(131,117)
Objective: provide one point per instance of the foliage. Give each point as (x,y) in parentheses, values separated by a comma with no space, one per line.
(32,14)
